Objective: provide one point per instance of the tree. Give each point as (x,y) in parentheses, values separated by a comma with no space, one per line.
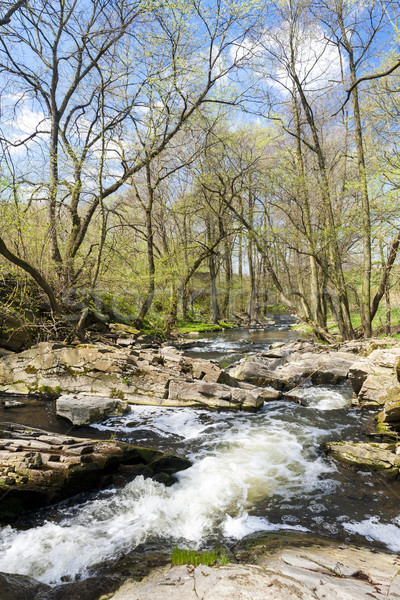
(91,72)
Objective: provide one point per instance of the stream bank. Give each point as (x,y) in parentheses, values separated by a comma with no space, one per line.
(275,567)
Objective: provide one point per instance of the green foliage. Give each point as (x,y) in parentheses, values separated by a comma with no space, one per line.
(49,391)
(182,556)
(117,394)
(187,326)
(277,309)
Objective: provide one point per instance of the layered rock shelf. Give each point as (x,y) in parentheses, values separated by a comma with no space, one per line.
(301,570)
(38,467)
(363,456)
(93,382)
(162,377)
(285,366)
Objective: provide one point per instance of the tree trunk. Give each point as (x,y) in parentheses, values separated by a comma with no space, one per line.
(34,273)
(315,298)
(362,177)
(385,274)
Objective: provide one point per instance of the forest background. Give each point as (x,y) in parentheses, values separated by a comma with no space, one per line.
(165,164)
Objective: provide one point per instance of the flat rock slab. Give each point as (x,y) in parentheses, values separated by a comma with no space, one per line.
(364,456)
(81,409)
(228,582)
(316,573)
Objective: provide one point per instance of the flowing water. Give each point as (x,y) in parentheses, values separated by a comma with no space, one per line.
(229,346)
(251,472)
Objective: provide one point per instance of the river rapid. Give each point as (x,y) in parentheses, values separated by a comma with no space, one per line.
(251,472)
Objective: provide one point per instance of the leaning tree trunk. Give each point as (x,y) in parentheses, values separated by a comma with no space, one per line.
(34,273)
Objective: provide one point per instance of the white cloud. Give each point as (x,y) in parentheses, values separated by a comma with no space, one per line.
(317,60)
(21,120)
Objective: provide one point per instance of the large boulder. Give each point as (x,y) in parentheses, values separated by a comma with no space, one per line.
(284,371)
(83,410)
(375,378)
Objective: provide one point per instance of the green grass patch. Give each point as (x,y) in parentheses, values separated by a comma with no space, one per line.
(182,556)
(277,309)
(303,328)
(200,326)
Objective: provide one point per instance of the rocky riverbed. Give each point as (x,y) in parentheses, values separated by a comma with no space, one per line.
(92,382)
(261,568)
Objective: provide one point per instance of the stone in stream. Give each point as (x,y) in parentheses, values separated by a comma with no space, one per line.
(364,456)
(375,378)
(81,409)
(284,370)
(20,587)
(38,468)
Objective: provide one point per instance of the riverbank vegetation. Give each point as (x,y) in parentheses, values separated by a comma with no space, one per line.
(182,556)
(169,165)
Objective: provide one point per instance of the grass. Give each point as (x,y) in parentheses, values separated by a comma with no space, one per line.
(200,326)
(182,556)
(378,323)
(277,309)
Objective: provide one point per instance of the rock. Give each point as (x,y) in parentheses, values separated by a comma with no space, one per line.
(124,330)
(15,333)
(84,410)
(88,589)
(392,412)
(38,468)
(331,571)
(364,456)
(206,370)
(301,571)
(212,395)
(284,370)
(228,582)
(97,373)
(376,381)
(388,420)
(377,390)
(268,394)
(170,464)
(20,587)
(12,403)
(368,375)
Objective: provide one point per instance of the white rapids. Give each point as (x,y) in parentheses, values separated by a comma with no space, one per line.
(239,460)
